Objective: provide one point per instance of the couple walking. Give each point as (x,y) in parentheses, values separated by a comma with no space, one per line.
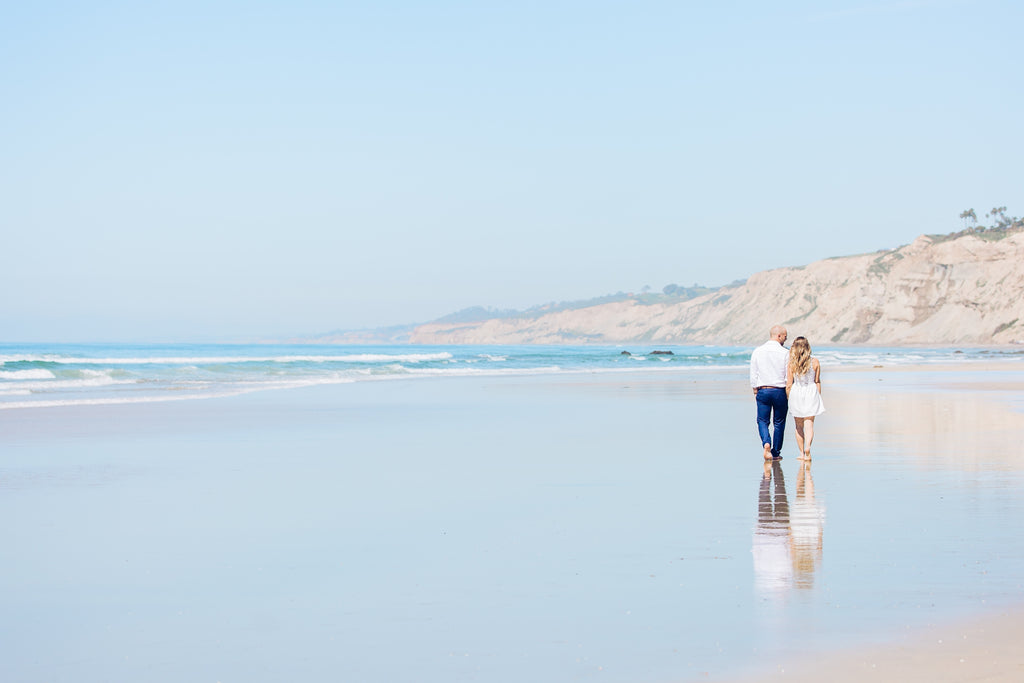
(785,381)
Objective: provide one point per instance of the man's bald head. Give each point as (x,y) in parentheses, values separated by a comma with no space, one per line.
(778,333)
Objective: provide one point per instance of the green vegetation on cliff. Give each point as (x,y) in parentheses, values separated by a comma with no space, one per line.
(1002,225)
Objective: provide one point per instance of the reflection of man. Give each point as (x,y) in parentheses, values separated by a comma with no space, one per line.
(768,380)
(773,565)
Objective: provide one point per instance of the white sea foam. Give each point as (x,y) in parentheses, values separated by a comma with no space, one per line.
(481,372)
(107,401)
(403,358)
(227,360)
(91,380)
(26,374)
(236,390)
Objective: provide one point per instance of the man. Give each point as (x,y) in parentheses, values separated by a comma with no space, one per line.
(768,380)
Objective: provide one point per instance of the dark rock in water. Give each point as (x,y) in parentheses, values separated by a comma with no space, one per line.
(625,353)
(661,353)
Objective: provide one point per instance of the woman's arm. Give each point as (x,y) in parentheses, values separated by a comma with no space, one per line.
(817,373)
(789,379)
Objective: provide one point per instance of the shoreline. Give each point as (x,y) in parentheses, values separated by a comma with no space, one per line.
(986,366)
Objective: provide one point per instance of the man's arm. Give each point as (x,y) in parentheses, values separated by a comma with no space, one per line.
(754,372)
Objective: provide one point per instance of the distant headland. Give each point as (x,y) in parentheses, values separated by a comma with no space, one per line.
(965,287)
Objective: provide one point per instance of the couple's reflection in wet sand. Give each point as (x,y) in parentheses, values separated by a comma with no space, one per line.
(788,537)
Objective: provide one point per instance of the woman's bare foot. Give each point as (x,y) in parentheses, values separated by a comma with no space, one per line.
(807,454)
(768,452)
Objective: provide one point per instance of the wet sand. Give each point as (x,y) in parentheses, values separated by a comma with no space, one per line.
(590,527)
(948,416)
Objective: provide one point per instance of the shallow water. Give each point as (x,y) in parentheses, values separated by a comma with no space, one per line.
(43,376)
(590,527)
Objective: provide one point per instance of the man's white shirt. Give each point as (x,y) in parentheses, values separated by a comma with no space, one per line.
(768,365)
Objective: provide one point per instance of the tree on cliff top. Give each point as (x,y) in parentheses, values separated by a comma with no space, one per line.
(1000,221)
(969,215)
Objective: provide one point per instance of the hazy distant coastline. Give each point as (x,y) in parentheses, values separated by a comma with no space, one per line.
(962,288)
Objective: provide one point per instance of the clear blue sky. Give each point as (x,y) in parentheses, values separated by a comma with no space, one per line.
(179,170)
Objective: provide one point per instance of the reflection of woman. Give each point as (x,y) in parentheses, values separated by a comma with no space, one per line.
(807,524)
(803,388)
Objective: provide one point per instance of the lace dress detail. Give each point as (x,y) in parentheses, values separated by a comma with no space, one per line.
(804,399)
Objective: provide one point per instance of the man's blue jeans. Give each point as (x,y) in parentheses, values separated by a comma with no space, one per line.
(772,403)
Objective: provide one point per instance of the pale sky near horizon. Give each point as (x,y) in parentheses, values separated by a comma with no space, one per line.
(218,171)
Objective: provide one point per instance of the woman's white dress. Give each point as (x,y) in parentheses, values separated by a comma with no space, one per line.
(804,399)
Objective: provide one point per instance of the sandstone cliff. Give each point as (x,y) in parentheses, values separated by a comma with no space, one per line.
(964,289)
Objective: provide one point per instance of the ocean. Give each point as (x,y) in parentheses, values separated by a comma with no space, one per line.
(50,375)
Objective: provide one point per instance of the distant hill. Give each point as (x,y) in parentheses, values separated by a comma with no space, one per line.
(963,288)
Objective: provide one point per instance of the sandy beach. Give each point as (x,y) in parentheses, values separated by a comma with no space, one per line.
(606,527)
(989,648)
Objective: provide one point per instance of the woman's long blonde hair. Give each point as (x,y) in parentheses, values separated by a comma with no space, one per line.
(800,356)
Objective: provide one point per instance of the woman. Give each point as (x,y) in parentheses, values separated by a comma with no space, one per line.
(803,389)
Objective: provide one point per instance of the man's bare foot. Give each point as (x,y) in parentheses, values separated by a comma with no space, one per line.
(768,452)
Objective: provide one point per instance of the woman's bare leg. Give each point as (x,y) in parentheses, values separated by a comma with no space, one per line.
(808,437)
(799,423)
